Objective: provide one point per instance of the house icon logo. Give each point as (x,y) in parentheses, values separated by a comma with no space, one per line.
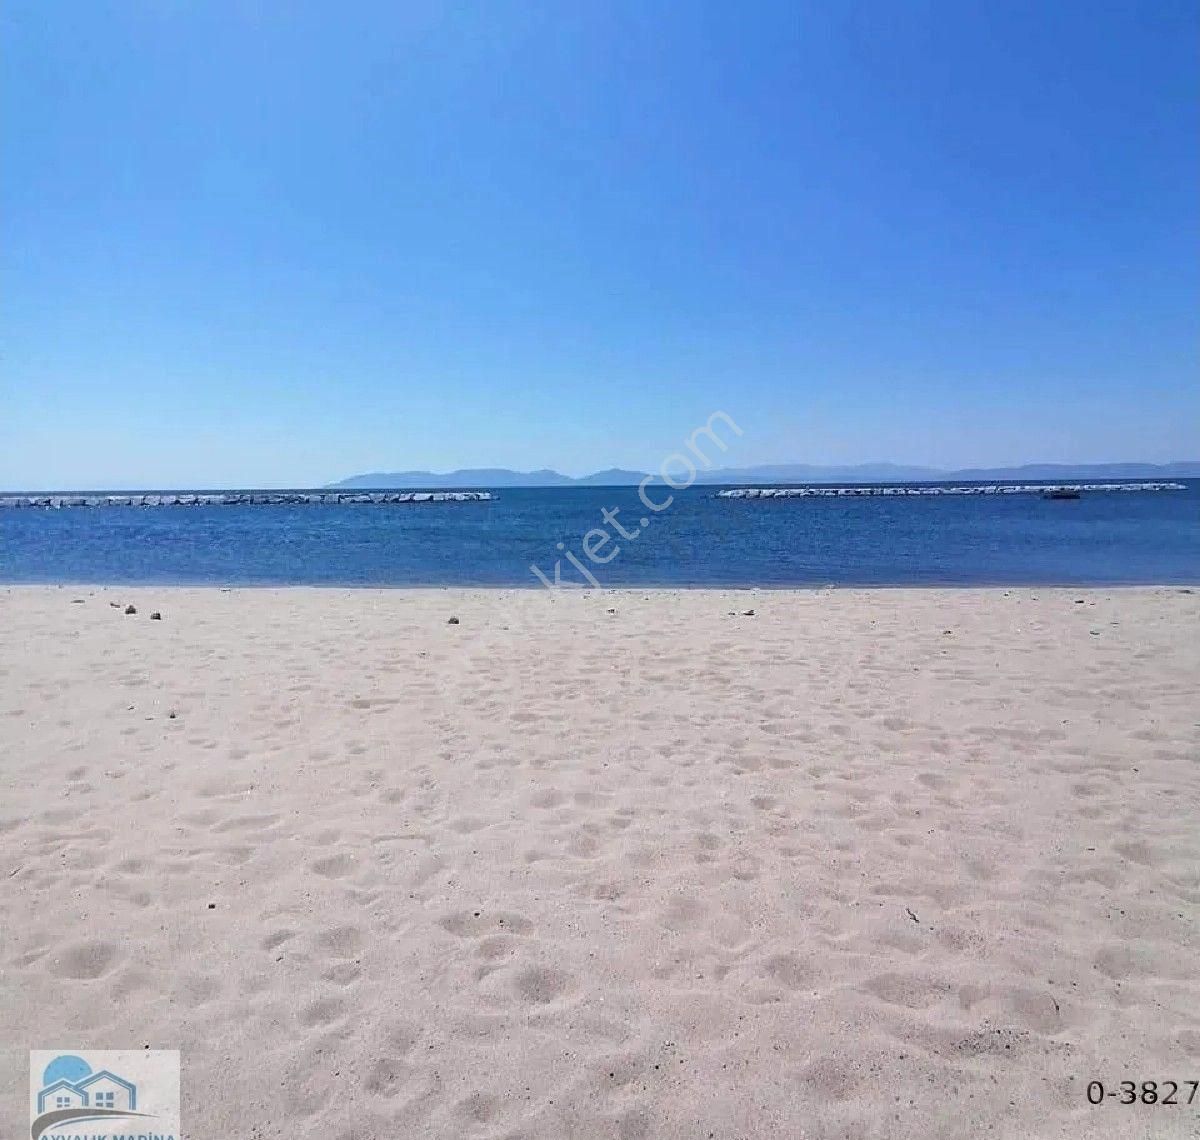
(69,1082)
(98,1094)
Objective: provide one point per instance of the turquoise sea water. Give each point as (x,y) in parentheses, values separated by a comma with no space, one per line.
(699,540)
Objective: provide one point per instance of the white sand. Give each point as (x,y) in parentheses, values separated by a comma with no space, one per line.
(865,864)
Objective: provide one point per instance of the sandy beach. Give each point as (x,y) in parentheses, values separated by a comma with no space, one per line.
(640,865)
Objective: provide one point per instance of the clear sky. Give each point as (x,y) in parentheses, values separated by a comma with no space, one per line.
(282,243)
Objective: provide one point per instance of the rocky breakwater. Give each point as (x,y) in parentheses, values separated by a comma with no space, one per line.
(246,498)
(966,489)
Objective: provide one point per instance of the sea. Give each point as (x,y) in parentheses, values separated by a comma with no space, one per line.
(531,537)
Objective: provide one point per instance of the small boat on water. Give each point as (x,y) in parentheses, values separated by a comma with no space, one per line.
(1061,493)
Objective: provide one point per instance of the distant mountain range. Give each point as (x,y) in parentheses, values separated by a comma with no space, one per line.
(488,477)
(491,477)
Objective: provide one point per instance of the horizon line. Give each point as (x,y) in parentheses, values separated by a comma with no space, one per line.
(811,473)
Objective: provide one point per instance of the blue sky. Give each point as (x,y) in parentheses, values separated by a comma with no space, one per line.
(273,244)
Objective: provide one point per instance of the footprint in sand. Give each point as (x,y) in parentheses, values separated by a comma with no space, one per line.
(85,961)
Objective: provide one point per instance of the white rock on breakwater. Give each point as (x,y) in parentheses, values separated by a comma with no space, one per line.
(246,498)
(979,489)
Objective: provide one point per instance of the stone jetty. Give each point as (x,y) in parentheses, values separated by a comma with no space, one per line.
(917,490)
(247,498)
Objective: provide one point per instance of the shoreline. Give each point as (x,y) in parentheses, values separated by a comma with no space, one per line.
(1184,586)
